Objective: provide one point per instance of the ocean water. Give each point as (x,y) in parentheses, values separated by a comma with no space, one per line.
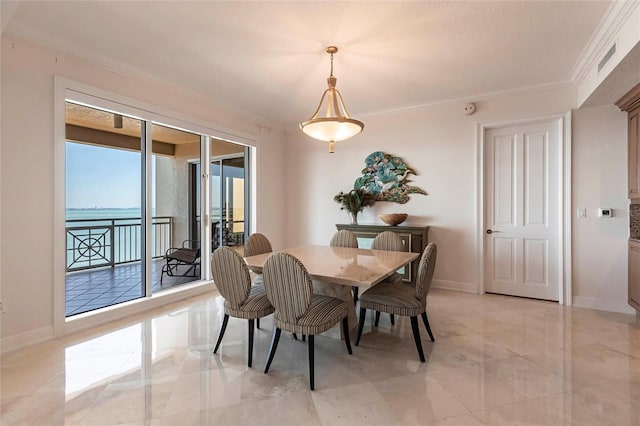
(75,214)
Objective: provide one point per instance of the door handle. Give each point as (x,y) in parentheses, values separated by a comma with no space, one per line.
(490,231)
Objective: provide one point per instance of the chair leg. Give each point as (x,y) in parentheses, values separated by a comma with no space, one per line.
(416,337)
(377,318)
(295,336)
(355,294)
(363,314)
(345,331)
(272,349)
(250,343)
(425,320)
(304,337)
(222,329)
(393,319)
(311,374)
(258,323)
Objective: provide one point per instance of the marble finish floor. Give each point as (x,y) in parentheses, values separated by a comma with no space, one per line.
(496,361)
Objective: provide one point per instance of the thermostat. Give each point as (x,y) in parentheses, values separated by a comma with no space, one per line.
(605,212)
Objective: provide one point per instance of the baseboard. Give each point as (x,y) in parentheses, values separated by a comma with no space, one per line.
(603,304)
(455,286)
(31,337)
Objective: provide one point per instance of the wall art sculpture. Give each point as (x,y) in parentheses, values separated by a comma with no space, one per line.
(386,176)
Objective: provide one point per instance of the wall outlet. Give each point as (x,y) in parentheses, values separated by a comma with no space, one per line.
(582,213)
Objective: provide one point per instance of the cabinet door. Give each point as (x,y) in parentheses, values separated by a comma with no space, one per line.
(634,274)
(634,153)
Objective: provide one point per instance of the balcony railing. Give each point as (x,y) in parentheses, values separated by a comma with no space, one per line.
(94,243)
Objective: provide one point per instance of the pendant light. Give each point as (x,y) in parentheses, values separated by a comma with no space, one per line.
(336,125)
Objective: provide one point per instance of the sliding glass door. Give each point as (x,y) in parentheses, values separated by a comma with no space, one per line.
(171,237)
(120,166)
(228,195)
(103,209)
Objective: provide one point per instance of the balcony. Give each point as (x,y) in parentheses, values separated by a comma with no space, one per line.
(104,261)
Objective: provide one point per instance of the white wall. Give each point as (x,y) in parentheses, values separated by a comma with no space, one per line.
(296,185)
(27,168)
(439,142)
(599,179)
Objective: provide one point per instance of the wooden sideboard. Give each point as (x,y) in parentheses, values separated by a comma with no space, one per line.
(415,239)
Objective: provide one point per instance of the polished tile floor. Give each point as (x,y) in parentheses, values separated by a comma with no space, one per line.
(497,361)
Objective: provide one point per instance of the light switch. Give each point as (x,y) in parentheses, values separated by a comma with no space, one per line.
(582,213)
(605,212)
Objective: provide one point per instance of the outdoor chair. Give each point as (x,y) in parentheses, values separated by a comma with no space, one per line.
(183,261)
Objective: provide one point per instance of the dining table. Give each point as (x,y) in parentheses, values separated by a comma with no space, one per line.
(334,270)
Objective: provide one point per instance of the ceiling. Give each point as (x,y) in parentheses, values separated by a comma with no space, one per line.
(80,115)
(266,59)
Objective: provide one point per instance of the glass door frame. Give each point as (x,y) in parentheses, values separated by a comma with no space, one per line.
(83,94)
(247,187)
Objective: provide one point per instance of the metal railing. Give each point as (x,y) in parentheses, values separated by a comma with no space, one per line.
(94,243)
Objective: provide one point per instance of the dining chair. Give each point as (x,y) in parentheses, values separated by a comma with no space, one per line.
(297,309)
(388,241)
(344,238)
(257,244)
(241,299)
(347,239)
(403,299)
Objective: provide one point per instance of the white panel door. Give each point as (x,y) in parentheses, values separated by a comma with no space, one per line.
(522,210)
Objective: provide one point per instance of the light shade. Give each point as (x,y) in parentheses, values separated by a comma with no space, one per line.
(336,124)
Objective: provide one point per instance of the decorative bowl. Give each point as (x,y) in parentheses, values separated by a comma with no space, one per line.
(393,219)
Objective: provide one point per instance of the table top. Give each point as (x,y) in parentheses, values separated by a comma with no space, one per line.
(341,265)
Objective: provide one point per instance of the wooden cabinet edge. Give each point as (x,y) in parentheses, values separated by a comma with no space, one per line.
(633,276)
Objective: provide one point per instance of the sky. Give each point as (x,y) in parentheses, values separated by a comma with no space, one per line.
(108,178)
(102,177)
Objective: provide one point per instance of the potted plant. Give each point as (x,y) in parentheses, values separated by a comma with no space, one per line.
(354,202)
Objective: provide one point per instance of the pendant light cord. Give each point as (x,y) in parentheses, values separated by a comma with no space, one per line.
(331,73)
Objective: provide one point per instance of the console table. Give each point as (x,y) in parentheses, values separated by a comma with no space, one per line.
(415,239)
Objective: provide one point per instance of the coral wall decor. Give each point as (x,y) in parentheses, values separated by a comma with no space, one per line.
(386,176)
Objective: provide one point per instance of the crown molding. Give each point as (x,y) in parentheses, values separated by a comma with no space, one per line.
(602,37)
(472,98)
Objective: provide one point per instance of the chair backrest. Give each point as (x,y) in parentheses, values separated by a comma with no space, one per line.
(231,275)
(344,238)
(389,241)
(257,244)
(288,286)
(425,270)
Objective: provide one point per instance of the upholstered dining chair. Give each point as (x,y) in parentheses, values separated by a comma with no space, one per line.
(242,300)
(388,241)
(344,238)
(347,239)
(403,299)
(257,244)
(288,287)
